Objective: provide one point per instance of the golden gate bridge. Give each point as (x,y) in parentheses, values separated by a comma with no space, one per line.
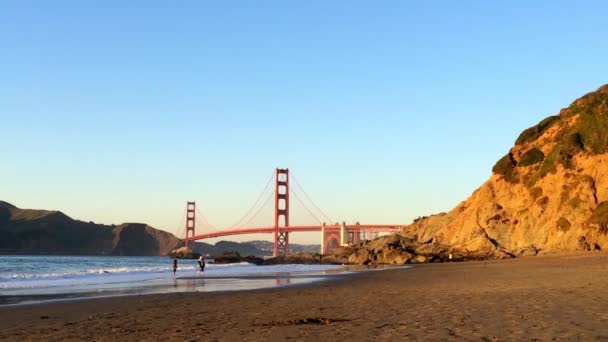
(331,234)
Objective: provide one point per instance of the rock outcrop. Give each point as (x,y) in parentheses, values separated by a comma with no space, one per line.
(398,249)
(235,257)
(184,253)
(295,258)
(337,257)
(549,192)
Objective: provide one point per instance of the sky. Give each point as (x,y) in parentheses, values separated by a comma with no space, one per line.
(121,111)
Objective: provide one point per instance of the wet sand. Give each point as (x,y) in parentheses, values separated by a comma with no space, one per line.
(529,299)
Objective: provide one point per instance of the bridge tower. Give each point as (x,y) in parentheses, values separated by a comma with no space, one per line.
(190,222)
(281,209)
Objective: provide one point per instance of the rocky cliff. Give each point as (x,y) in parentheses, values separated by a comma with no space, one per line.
(549,192)
(27,231)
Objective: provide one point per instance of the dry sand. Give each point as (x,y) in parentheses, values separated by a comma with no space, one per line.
(529,299)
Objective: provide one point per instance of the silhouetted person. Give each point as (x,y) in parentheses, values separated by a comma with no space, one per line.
(201,263)
(174,266)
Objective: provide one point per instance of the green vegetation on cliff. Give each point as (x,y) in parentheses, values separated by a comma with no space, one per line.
(506,166)
(581,128)
(536,131)
(533,156)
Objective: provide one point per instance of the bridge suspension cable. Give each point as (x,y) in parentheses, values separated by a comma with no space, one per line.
(255,215)
(204,220)
(325,216)
(242,221)
(312,215)
(181,228)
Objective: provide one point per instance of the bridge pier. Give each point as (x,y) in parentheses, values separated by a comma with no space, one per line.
(323,238)
(343,235)
(281,196)
(190,222)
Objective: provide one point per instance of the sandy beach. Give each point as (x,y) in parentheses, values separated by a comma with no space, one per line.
(561,297)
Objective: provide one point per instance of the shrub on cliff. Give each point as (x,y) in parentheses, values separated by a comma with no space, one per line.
(533,156)
(506,167)
(563,153)
(534,132)
(593,128)
(583,129)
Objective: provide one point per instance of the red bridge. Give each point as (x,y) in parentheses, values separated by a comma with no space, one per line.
(332,235)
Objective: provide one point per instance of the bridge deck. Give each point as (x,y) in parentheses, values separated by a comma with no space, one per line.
(371,228)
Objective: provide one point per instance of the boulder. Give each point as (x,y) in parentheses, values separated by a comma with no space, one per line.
(335,259)
(360,257)
(431,247)
(377,245)
(303,258)
(527,251)
(396,257)
(419,259)
(235,257)
(502,254)
(342,251)
(184,253)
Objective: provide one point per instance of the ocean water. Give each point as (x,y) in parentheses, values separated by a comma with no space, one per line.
(26,279)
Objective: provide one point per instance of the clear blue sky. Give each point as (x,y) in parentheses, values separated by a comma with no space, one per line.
(117,111)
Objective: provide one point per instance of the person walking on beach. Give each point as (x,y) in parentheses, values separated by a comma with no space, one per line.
(174,266)
(201,263)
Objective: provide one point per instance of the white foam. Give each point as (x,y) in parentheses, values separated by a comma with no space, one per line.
(138,274)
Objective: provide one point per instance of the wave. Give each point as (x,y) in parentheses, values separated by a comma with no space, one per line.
(46,275)
(114,270)
(17,276)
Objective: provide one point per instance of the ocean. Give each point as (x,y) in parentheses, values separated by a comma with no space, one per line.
(33,279)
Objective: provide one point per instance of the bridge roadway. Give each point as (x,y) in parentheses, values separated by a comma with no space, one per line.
(370,228)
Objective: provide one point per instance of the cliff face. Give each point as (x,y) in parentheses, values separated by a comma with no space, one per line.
(140,239)
(550,192)
(26,231)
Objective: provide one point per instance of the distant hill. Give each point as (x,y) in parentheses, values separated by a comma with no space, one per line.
(30,231)
(256,248)
(549,192)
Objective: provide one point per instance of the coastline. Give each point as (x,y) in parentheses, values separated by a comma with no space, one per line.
(259,277)
(35,279)
(553,296)
(192,284)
